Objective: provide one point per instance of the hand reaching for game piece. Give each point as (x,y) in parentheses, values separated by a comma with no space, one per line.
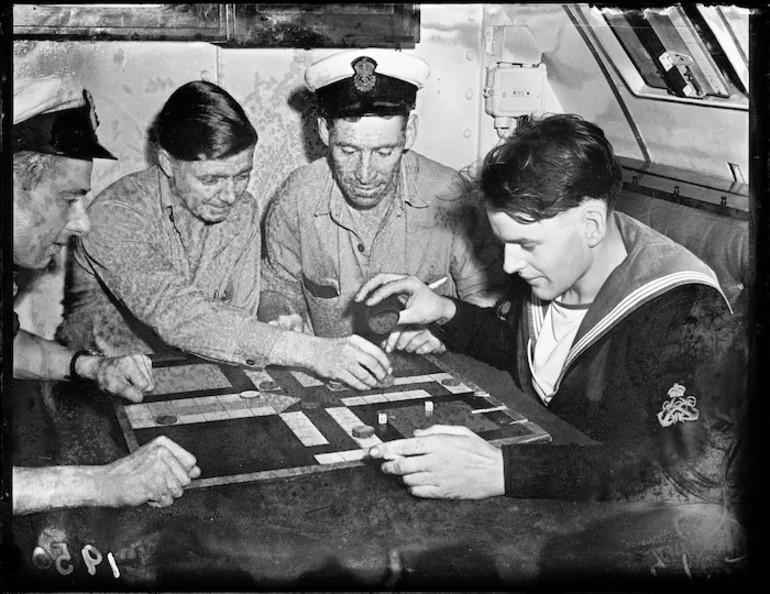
(423,306)
(129,376)
(352,360)
(413,340)
(444,461)
(156,474)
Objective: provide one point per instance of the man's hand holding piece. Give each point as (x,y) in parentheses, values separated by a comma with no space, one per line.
(156,474)
(444,461)
(413,340)
(423,306)
(352,360)
(129,376)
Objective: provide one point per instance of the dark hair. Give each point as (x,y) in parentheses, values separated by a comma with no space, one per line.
(550,165)
(202,121)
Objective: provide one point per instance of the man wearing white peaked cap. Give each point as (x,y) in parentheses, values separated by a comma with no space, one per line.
(373,205)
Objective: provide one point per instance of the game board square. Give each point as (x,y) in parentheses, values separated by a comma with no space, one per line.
(189,419)
(161,408)
(395,396)
(259,402)
(143,423)
(262,411)
(415,394)
(329,458)
(306,380)
(413,379)
(185,407)
(353,455)
(137,412)
(214,407)
(280,402)
(220,415)
(310,441)
(188,378)
(239,413)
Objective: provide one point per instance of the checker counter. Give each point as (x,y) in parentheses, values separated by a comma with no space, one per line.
(244,424)
(287,500)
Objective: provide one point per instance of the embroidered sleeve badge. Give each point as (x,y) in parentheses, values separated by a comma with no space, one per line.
(678,408)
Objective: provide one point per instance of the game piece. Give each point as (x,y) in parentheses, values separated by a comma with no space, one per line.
(268,385)
(309,402)
(250,394)
(336,386)
(363,431)
(382,317)
(478,411)
(387,382)
(382,418)
(262,379)
(428,408)
(166,420)
(451,381)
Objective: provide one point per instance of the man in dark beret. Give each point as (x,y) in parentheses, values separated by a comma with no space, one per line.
(54,145)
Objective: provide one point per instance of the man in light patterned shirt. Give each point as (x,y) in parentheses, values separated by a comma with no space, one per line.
(174,259)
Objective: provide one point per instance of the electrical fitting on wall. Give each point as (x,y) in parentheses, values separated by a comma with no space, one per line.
(515,83)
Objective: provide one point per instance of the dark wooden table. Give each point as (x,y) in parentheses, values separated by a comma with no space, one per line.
(352,529)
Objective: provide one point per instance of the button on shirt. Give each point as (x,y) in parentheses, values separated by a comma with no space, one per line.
(316,261)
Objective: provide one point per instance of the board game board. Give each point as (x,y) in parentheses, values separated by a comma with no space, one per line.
(245,425)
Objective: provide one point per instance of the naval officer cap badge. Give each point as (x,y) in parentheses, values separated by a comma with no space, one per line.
(362,82)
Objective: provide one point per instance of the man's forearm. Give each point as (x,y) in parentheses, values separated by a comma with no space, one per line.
(479,332)
(295,349)
(43,489)
(37,358)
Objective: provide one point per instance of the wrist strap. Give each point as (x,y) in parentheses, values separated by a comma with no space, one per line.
(74,375)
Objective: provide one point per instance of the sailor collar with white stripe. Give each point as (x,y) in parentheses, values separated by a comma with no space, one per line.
(654,265)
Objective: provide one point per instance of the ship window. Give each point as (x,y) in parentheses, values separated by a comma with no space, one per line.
(692,51)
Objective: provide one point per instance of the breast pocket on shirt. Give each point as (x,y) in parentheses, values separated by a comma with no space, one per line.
(324,289)
(324,305)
